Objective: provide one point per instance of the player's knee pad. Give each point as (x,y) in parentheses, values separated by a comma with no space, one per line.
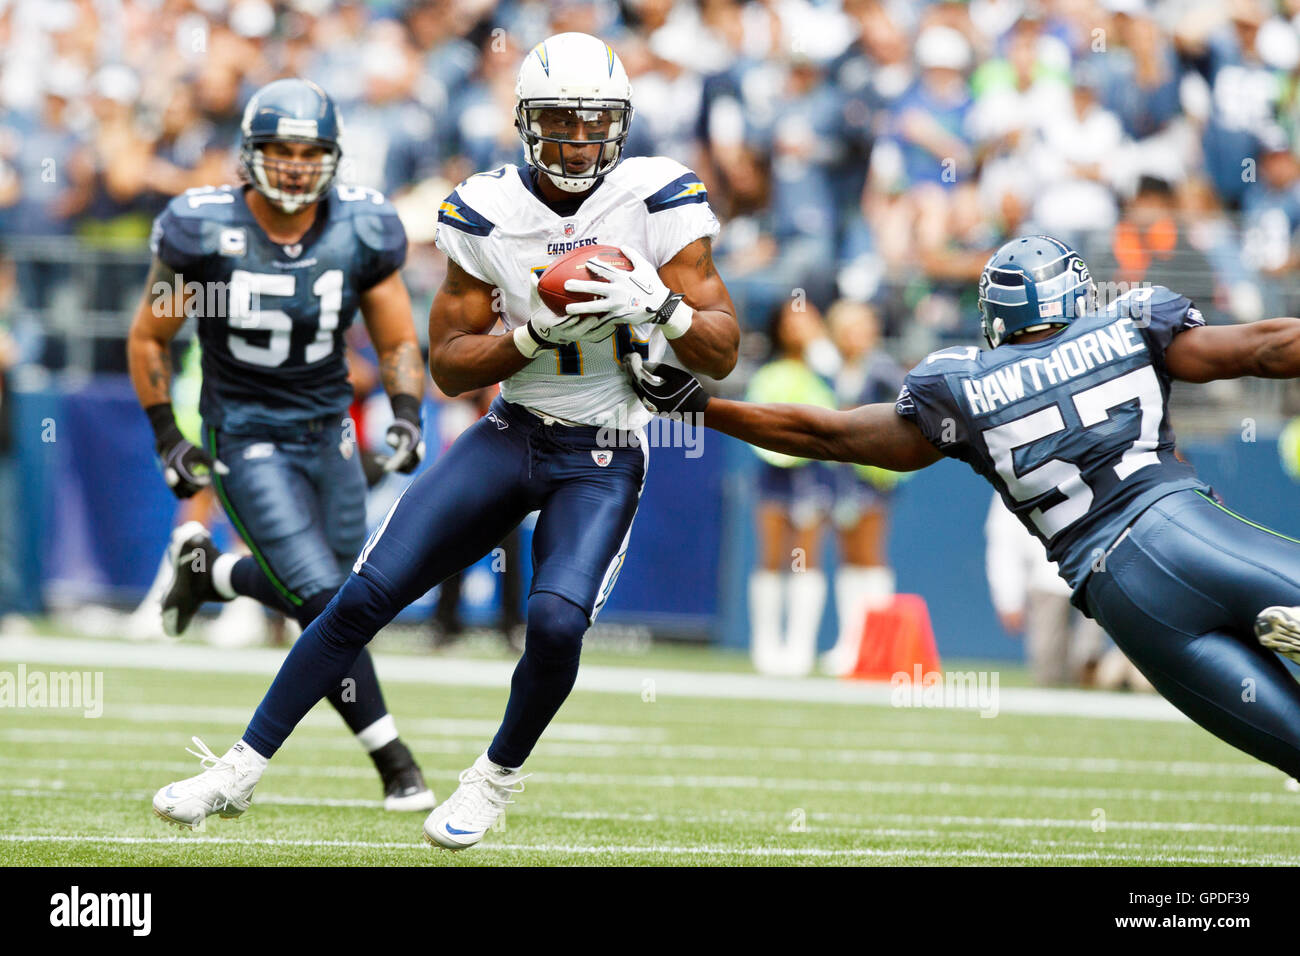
(357,611)
(555,628)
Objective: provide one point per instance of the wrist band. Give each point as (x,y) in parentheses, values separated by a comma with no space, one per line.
(161,419)
(526,342)
(679,320)
(406,407)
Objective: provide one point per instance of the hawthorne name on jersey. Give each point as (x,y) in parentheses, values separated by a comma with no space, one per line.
(1068,360)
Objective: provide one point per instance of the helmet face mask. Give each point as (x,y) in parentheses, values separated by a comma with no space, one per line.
(573,108)
(1032,284)
(575,142)
(290,182)
(289,150)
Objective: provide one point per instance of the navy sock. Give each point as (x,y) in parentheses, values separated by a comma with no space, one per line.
(319,660)
(543,677)
(357,697)
(248,578)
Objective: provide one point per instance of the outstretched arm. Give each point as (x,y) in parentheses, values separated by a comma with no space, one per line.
(867,435)
(1266,349)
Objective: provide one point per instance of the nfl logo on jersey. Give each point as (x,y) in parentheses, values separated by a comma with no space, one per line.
(569,230)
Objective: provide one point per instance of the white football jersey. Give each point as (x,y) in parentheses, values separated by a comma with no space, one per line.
(496,228)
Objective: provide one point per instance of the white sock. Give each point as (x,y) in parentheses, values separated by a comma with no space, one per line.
(382,731)
(878,581)
(221,568)
(765,600)
(850,606)
(496,768)
(807,601)
(244,755)
(858,589)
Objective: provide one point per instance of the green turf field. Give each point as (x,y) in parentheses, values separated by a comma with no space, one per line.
(622,779)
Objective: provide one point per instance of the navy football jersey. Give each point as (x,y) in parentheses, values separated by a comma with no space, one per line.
(1073,430)
(271,317)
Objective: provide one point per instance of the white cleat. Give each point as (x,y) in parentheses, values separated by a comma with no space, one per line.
(225,787)
(1278,629)
(464,818)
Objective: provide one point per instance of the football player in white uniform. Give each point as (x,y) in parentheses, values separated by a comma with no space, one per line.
(562,438)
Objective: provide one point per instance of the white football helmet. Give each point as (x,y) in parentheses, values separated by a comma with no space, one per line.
(568,83)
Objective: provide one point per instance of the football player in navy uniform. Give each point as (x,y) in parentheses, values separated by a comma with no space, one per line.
(274,272)
(1066,415)
(564,437)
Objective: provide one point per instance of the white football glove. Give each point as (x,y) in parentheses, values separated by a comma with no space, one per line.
(631,298)
(546,330)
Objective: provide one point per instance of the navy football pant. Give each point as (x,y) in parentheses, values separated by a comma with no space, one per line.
(1179,595)
(504,466)
(298,501)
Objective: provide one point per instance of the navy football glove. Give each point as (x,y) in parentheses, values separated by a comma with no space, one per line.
(404,436)
(666,389)
(185,468)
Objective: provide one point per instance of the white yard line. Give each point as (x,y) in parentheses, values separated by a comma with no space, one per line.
(80,653)
(817,822)
(1096,856)
(324,718)
(830,785)
(713,753)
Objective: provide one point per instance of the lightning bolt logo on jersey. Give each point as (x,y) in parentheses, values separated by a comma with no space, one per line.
(1072,430)
(496,227)
(271,317)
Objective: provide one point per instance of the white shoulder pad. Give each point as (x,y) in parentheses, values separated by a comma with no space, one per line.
(469,215)
(676,203)
(645,175)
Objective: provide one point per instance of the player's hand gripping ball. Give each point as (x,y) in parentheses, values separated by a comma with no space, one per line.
(553,288)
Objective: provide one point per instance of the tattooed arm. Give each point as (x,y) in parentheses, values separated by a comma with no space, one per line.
(386,307)
(157,319)
(710,344)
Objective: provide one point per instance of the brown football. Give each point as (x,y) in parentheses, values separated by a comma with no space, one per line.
(550,285)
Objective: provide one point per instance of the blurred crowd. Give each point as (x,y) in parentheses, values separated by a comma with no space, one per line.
(870,150)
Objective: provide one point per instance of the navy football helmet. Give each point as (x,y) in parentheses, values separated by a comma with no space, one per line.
(1033,283)
(290,111)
